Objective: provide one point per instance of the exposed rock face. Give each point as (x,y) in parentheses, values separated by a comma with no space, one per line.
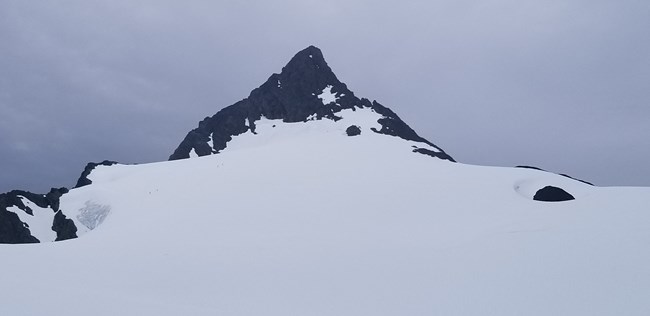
(353,130)
(13,230)
(64,227)
(300,92)
(552,194)
(441,155)
(83,179)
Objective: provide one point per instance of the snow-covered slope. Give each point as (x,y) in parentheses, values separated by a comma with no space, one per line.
(309,216)
(327,224)
(320,223)
(305,91)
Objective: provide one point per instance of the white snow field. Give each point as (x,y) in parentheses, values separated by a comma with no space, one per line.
(302,219)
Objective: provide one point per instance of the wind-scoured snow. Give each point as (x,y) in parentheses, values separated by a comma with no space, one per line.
(303,220)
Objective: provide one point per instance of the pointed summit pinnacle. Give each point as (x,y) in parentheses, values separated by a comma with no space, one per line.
(292,95)
(306,72)
(309,57)
(305,90)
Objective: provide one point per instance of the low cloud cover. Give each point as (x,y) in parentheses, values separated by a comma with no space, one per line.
(562,85)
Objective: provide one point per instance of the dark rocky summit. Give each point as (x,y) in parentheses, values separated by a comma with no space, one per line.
(552,194)
(292,96)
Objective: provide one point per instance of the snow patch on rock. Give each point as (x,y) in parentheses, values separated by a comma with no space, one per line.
(39,224)
(327,96)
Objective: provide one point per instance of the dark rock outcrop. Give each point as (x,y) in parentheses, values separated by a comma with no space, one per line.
(64,227)
(292,96)
(441,155)
(562,174)
(353,130)
(14,231)
(53,197)
(570,177)
(83,179)
(552,194)
(530,167)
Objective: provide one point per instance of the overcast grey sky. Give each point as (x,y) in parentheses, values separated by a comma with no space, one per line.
(562,85)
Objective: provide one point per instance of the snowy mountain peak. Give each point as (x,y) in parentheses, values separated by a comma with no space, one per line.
(322,203)
(306,90)
(305,103)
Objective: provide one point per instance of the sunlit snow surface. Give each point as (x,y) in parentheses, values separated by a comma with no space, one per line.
(302,219)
